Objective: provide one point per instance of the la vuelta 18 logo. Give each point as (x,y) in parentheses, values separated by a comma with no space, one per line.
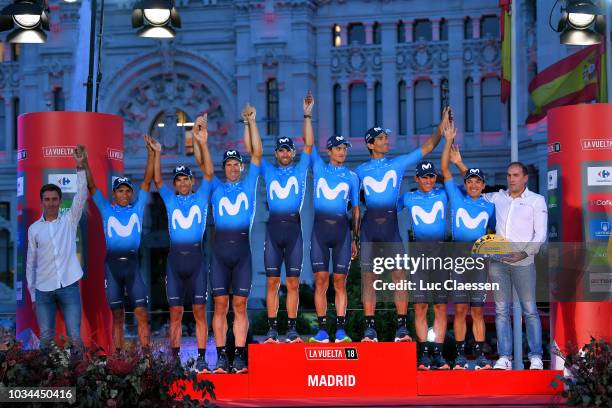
(331,353)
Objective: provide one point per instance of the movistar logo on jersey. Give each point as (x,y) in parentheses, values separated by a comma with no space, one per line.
(283,192)
(468,221)
(225,205)
(427,217)
(379,186)
(113,224)
(186,222)
(331,193)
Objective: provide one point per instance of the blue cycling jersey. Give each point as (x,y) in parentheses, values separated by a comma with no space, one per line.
(334,186)
(381,179)
(427,212)
(285,186)
(122,225)
(470,217)
(234,203)
(186,214)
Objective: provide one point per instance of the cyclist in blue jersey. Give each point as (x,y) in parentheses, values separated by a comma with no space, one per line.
(427,209)
(285,187)
(334,187)
(471,218)
(380,180)
(186,273)
(122,224)
(233,203)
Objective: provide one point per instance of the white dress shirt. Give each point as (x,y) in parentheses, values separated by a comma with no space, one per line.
(522,220)
(51,260)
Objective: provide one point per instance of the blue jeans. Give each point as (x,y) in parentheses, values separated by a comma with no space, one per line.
(68,299)
(523,278)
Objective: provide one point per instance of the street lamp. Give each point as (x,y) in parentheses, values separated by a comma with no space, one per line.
(582,23)
(29,20)
(156,18)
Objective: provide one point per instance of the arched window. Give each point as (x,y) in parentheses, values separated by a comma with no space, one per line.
(469,105)
(376,33)
(272,106)
(423,107)
(421,30)
(444,30)
(491,106)
(337,110)
(358,109)
(356,33)
(401,108)
(170,126)
(468,29)
(489,27)
(378,104)
(401,32)
(59,102)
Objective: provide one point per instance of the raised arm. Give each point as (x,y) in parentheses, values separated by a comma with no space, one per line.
(449,136)
(157,176)
(79,199)
(257,151)
(455,158)
(434,139)
(246,135)
(91,185)
(307,131)
(203,157)
(149,167)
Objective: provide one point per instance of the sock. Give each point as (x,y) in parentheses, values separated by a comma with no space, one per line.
(340,321)
(401,320)
(220,350)
(422,348)
(201,352)
(272,322)
(240,351)
(460,347)
(175,351)
(291,322)
(437,348)
(322,322)
(370,321)
(479,348)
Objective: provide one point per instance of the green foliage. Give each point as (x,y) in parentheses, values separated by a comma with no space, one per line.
(588,374)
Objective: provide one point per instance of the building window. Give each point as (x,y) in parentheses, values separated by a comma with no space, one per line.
(401,32)
(468,29)
(443,30)
(15,116)
(337,110)
(401,108)
(491,106)
(336,35)
(358,109)
(170,126)
(356,33)
(421,30)
(423,107)
(59,102)
(378,104)
(489,27)
(376,33)
(272,106)
(469,105)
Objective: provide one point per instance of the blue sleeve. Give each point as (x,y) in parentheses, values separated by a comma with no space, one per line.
(251,179)
(453,192)
(203,192)
(304,161)
(354,190)
(492,220)
(265,167)
(100,201)
(166,194)
(402,202)
(315,158)
(214,183)
(141,202)
(402,162)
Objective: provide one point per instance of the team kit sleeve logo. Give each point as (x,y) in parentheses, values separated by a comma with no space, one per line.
(492,245)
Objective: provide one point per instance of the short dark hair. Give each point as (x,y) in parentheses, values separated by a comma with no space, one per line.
(521,165)
(50,187)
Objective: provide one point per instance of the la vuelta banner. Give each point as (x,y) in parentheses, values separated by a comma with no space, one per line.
(580,212)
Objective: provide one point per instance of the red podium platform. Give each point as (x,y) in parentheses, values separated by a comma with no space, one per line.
(359,372)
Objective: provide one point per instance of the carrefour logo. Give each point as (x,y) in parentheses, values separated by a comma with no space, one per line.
(66,182)
(599,176)
(604,174)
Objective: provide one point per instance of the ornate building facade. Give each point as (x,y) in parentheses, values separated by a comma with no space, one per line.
(393,63)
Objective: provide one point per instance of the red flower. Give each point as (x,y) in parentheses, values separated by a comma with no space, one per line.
(120,367)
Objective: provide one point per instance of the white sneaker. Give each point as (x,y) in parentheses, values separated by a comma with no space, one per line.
(504,363)
(536,363)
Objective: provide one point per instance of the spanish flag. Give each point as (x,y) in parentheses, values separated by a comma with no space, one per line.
(506,50)
(579,78)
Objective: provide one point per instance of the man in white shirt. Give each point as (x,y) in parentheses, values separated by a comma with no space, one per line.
(522,218)
(53,271)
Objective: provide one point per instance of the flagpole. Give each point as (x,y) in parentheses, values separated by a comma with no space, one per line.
(517,321)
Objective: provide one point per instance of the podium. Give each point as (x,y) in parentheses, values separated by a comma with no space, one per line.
(364,371)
